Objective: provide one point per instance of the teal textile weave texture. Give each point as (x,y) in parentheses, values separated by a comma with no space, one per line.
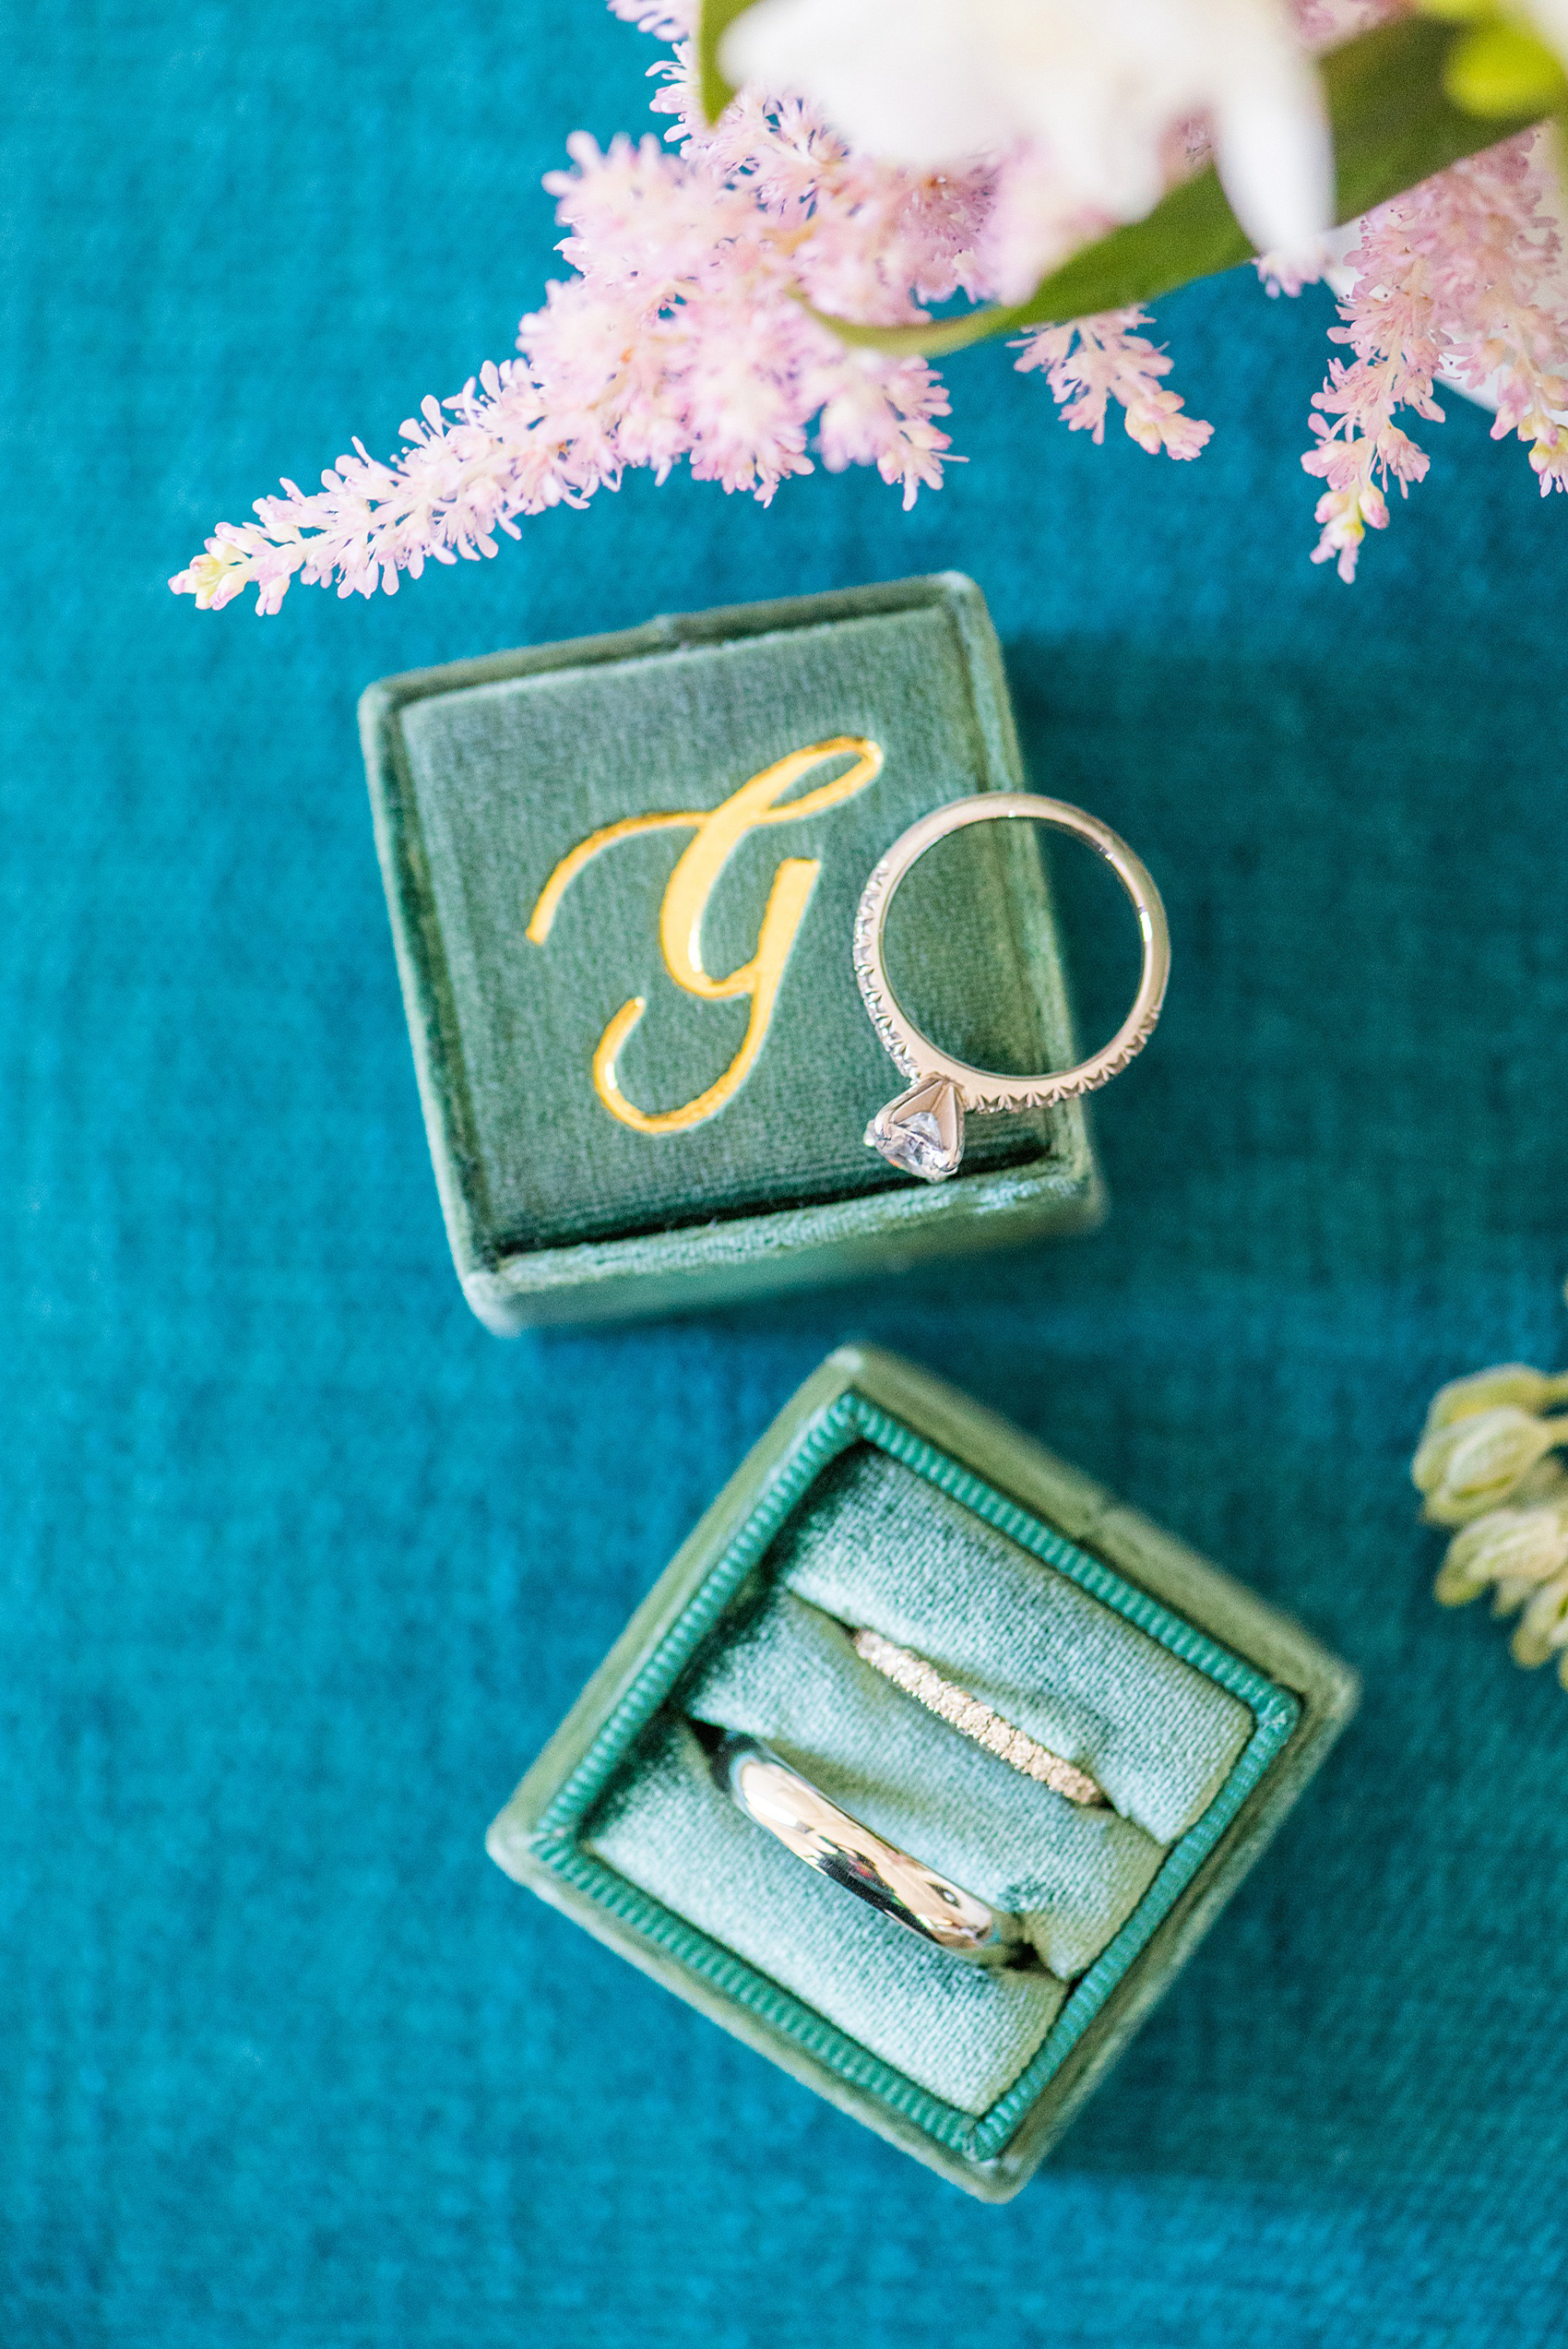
(298,1563)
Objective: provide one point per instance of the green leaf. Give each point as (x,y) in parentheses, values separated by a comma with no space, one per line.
(713,20)
(1394,125)
(1498,69)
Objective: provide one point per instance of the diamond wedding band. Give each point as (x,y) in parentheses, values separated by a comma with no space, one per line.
(972,1718)
(922,1129)
(777,1797)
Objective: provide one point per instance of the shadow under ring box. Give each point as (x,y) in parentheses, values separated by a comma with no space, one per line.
(623,874)
(881,1498)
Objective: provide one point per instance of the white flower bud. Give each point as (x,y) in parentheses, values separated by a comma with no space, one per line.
(1508,1382)
(1547,1481)
(1544,1623)
(1473,1465)
(1514,1548)
(1508,1546)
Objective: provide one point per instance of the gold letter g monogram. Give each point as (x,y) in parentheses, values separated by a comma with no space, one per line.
(719,832)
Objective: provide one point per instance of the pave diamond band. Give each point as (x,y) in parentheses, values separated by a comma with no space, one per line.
(972,1718)
(922,1130)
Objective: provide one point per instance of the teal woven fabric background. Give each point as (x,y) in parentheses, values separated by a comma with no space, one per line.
(300,1566)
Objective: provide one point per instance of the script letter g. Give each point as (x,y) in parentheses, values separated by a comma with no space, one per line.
(719,833)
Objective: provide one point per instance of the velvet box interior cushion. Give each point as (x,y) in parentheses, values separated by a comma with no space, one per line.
(876,1543)
(792,1677)
(963,2031)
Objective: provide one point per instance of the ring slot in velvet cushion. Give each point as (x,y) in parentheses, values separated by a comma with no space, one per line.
(792,1677)
(875,1544)
(963,2032)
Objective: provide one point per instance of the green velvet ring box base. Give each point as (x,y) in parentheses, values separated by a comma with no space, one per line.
(646,1067)
(882,1498)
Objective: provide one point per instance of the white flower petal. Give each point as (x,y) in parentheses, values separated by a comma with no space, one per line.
(1550,20)
(1275,160)
(1098,85)
(897,78)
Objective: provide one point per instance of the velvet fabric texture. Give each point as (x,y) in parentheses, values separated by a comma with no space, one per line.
(963,2032)
(1299,1696)
(510,777)
(538,816)
(879,1546)
(299,1564)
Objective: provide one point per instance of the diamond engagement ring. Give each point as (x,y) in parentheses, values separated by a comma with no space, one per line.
(922,1129)
(774,1793)
(972,1718)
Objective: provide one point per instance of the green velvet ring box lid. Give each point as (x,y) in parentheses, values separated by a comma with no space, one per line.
(623,874)
(882,1498)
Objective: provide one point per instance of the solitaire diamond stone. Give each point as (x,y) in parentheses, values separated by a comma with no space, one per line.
(922,1131)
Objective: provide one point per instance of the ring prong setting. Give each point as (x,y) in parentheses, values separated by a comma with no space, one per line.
(922,1130)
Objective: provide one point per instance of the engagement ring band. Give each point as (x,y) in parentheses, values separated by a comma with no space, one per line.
(966,1715)
(777,1797)
(922,1129)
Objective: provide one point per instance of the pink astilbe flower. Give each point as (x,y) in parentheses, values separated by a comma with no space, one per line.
(1094,361)
(681,336)
(687,334)
(1399,351)
(691,329)
(1462,277)
(666,19)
